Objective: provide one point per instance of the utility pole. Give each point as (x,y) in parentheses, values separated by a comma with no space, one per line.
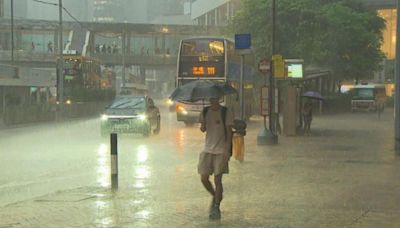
(397,85)
(241,89)
(271,78)
(123,38)
(269,136)
(12,31)
(61,61)
(272,112)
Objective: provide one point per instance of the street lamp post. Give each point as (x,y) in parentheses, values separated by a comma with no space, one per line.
(397,85)
(273,115)
(60,62)
(12,31)
(269,136)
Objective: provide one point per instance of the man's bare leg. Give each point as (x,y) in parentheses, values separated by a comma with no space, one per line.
(215,212)
(207,184)
(218,188)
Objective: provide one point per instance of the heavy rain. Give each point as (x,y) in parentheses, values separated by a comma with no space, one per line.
(199,113)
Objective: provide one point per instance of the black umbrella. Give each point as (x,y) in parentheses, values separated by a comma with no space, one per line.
(201,90)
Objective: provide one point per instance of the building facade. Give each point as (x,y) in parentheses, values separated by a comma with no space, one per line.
(139,11)
(213,12)
(29,9)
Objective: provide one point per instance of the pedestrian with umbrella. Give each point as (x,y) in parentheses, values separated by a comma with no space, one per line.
(307,117)
(217,122)
(307,111)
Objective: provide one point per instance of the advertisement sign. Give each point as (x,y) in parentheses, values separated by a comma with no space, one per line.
(295,68)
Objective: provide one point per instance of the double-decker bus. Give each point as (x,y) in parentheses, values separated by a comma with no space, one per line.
(208,58)
(83,78)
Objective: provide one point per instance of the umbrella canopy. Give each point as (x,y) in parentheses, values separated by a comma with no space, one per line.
(201,90)
(313,95)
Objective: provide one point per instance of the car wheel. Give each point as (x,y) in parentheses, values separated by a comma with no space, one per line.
(158,128)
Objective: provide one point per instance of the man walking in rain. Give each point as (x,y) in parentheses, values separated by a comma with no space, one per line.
(217,122)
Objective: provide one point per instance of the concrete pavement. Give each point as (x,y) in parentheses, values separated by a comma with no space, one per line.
(345,174)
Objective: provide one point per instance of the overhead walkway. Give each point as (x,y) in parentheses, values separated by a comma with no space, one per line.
(147,45)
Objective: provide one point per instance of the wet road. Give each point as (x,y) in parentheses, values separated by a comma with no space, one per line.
(45,158)
(345,174)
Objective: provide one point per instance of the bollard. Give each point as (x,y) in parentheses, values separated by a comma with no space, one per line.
(114,161)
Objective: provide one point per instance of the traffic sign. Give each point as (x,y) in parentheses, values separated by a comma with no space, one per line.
(264,66)
(243,41)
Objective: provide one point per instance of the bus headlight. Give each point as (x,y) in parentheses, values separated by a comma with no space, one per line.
(142,117)
(104,117)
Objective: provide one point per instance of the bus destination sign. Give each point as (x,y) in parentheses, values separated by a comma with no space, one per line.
(201,70)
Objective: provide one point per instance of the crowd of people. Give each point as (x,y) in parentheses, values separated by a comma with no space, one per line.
(104,48)
(115,49)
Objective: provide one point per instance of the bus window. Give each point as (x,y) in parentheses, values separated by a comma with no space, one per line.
(203,47)
(216,48)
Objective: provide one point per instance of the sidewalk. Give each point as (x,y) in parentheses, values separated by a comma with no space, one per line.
(344,175)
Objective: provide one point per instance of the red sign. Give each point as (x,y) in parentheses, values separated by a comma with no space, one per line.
(264,66)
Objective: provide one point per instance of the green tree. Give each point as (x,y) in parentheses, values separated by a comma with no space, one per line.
(341,35)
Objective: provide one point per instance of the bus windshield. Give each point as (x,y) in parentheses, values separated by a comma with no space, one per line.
(68,64)
(364,93)
(202,47)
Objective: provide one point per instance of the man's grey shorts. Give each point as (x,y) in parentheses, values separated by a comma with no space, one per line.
(212,164)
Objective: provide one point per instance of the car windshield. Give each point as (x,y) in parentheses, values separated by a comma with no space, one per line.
(128,102)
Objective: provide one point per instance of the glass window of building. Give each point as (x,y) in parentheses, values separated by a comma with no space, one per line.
(389,34)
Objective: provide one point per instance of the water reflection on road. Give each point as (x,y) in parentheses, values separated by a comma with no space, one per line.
(150,169)
(103,166)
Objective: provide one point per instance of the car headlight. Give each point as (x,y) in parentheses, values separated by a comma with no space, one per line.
(181,109)
(68,102)
(142,117)
(170,102)
(104,117)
